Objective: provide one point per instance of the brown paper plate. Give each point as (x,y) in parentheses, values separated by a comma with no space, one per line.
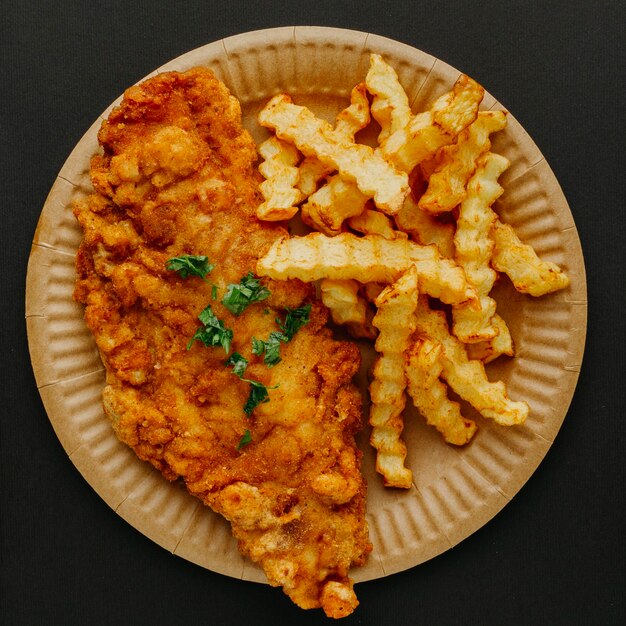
(456,490)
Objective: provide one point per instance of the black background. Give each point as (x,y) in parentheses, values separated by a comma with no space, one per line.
(555,554)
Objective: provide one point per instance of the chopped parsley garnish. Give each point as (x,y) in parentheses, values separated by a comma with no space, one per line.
(189,265)
(295,320)
(213,333)
(258,395)
(245,440)
(271,347)
(214,292)
(238,362)
(258,346)
(248,290)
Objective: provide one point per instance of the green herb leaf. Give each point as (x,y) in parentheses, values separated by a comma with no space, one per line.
(214,292)
(247,291)
(189,265)
(238,362)
(295,320)
(245,440)
(258,346)
(214,333)
(271,348)
(258,395)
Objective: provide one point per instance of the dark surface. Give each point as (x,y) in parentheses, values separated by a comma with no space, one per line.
(555,554)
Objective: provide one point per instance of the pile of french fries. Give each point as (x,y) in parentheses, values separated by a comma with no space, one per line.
(396,226)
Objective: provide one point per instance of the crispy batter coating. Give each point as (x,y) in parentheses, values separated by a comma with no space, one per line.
(177,177)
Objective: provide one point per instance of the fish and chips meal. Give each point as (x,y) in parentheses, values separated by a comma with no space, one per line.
(223,369)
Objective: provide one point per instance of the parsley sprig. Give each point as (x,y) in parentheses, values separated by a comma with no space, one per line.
(245,440)
(294,321)
(238,362)
(258,395)
(190,265)
(249,289)
(213,333)
(258,391)
(270,348)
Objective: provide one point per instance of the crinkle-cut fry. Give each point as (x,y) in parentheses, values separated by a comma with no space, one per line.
(367,259)
(281,176)
(429,166)
(311,172)
(474,248)
(366,329)
(356,116)
(502,343)
(437,127)
(371,291)
(468,378)
(343,299)
(430,395)
(360,163)
(395,321)
(519,261)
(467,95)
(447,184)
(332,204)
(350,121)
(425,229)
(349,307)
(371,222)
(390,106)
(418,141)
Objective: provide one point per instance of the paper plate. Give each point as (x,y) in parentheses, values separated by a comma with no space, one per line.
(456,490)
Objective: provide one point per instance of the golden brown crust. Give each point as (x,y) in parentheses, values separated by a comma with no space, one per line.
(177,176)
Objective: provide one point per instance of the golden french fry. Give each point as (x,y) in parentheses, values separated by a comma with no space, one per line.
(390,107)
(343,300)
(430,396)
(348,307)
(528,273)
(468,378)
(418,141)
(333,203)
(429,166)
(395,321)
(437,127)
(348,122)
(359,163)
(474,247)
(371,222)
(487,351)
(367,259)
(371,291)
(454,117)
(424,228)
(447,184)
(356,116)
(310,173)
(281,174)
(366,329)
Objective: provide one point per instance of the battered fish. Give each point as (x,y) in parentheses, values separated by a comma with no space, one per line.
(177,177)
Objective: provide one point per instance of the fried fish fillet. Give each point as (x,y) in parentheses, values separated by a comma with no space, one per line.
(177,177)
